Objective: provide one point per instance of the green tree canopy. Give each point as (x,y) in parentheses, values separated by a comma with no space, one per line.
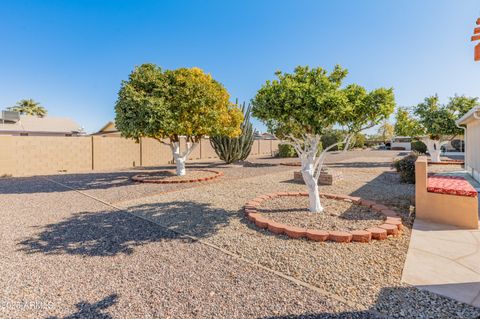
(438,120)
(29,107)
(406,125)
(173,103)
(366,109)
(307,101)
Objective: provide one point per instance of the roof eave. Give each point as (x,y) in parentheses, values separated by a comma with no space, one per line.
(464,119)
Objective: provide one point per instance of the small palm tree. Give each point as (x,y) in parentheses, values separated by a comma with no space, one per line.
(29,107)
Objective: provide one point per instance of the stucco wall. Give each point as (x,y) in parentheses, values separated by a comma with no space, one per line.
(39,155)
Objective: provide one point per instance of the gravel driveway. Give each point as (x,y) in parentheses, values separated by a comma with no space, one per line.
(68,254)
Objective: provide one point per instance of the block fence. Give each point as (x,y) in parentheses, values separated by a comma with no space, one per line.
(43,155)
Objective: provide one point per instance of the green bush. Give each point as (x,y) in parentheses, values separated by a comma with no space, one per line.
(286,150)
(419,147)
(331,137)
(406,168)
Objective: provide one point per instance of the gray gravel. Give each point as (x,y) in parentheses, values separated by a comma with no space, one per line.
(337,214)
(64,255)
(365,273)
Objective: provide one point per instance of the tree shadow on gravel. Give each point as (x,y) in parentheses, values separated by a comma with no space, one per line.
(109,233)
(198,219)
(92,310)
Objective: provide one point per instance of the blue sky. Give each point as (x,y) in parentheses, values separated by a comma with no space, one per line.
(72,55)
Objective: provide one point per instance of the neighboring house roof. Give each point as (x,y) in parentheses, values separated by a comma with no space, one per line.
(47,124)
(470,115)
(108,128)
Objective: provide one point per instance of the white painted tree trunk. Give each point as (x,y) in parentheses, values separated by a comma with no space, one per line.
(308,173)
(312,163)
(434,148)
(179,157)
(180,162)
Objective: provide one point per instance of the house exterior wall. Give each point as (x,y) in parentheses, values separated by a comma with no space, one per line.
(472,160)
(44,155)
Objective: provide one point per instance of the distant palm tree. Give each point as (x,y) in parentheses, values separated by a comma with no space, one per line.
(29,107)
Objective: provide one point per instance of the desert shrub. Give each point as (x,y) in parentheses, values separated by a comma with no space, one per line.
(419,147)
(406,168)
(458,145)
(286,150)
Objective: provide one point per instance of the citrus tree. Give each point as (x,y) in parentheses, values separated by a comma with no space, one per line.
(29,107)
(300,107)
(438,121)
(434,123)
(173,103)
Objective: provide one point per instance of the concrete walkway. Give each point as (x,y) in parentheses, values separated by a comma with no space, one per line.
(444,260)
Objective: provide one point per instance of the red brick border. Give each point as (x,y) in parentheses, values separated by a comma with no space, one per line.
(138,178)
(392,225)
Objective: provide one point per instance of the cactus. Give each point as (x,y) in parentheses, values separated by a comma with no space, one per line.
(235,149)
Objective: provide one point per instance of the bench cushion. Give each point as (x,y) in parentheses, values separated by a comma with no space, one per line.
(452,185)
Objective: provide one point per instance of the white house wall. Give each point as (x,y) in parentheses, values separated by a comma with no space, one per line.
(472,160)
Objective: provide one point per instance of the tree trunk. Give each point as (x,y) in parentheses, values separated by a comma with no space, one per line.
(180,162)
(434,149)
(308,174)
(347,143)
(181,158)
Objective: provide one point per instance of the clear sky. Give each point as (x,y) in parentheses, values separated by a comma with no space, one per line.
(72,55)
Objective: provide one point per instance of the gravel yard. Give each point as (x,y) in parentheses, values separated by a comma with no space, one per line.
(337,214)
(82,258)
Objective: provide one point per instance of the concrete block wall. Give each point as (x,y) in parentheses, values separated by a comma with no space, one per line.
(43,155)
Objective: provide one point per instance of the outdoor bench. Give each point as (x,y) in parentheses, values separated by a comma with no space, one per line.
(444,199)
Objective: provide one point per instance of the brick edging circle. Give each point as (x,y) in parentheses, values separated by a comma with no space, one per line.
(391,227)
(140,179)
